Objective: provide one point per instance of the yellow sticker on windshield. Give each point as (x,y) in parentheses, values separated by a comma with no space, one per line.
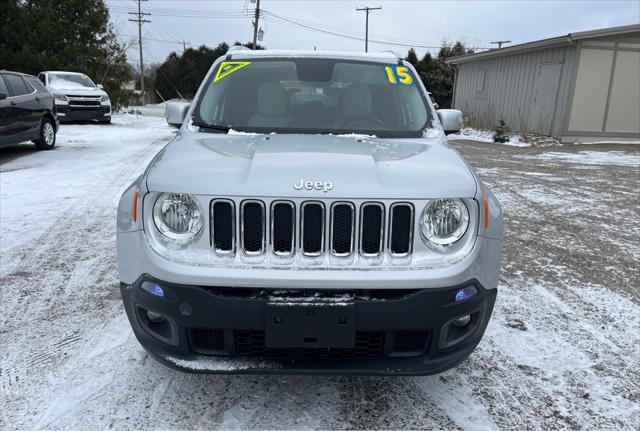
(398,75)
(228,67)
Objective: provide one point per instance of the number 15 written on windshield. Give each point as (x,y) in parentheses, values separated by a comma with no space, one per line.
(398,75)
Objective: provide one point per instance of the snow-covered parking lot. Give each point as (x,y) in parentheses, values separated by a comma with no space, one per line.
(562,350)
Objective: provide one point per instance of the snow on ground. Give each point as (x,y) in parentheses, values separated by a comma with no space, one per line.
(150,109)
(51,182)
(619,158)
(562,349)
(487,136)
(619,142)
(525,140)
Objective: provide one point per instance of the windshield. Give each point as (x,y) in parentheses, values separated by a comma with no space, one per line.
(313,96)
(69,80)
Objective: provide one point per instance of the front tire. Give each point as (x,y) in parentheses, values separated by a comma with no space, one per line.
(47,138)
(105,121)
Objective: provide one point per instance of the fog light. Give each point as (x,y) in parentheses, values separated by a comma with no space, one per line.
(154,317)
(465,293)
(153,288)
(460,321)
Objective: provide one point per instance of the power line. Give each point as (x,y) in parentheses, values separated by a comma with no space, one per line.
(140,20)
(290,21)
(367,9)
(322,29)
(341,30)
(177,42)
(190,13)
(419,20)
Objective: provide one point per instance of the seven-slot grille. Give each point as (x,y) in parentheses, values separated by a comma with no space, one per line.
(308,229)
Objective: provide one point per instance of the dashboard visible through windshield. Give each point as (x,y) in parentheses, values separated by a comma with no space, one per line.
(312,95)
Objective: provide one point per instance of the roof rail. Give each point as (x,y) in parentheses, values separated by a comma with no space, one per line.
(389,51)
(238,48)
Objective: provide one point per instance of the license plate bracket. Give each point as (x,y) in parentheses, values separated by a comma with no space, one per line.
(310,326)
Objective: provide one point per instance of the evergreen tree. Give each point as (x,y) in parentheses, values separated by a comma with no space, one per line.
(73,35)
(438,76)
(412,57)
(501,132)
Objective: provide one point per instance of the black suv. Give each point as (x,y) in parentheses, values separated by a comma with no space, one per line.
(27,111)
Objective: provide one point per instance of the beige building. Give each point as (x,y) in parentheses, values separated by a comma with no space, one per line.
(579,87)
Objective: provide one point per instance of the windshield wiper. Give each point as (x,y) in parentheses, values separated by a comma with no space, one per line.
(217,127)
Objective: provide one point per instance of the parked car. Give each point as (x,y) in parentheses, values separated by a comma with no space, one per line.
(77,97)
(335,233)
(27,111)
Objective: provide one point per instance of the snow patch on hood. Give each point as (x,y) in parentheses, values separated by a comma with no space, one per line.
(240,133)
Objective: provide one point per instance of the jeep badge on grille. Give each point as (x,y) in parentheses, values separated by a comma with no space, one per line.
(311,185)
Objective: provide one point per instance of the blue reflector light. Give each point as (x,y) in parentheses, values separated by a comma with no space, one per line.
(153,288)
(465,293)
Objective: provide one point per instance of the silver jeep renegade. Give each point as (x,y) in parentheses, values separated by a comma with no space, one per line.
(309,217)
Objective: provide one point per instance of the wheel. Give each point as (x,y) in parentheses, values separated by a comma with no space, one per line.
(105,121)
(47,138)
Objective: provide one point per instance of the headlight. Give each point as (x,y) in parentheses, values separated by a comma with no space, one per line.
(177,216)
(104,98)
(444,221)
(59,96)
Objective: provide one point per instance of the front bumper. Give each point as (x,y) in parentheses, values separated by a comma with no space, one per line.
(83,113)
(227,330)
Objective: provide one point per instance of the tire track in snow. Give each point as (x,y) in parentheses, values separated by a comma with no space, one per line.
(389,403)
(68,401)
(454,397)
(75,283)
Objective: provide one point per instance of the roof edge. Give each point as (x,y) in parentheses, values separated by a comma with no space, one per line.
(286,53)
(567,39)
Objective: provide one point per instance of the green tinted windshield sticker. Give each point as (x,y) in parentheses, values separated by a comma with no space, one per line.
(398,75)
(228,67)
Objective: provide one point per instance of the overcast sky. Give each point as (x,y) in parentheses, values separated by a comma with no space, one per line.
(336,25)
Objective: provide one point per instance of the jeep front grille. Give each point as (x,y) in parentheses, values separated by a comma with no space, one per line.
(306,228)
(371,229)
(252,230)
(223,217)
(400,229)
(312,227)
(283,221)
(342,228)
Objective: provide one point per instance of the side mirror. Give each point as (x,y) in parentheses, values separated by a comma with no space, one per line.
(3,96)
(175,112)
(451,120)
(100,86)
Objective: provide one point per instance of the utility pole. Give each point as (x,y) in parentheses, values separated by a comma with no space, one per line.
(366,28)
(500,42)
(140,20)
(255,24)
(184,46)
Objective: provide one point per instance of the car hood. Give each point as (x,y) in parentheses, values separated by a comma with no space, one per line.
(270,165)
(77,91)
